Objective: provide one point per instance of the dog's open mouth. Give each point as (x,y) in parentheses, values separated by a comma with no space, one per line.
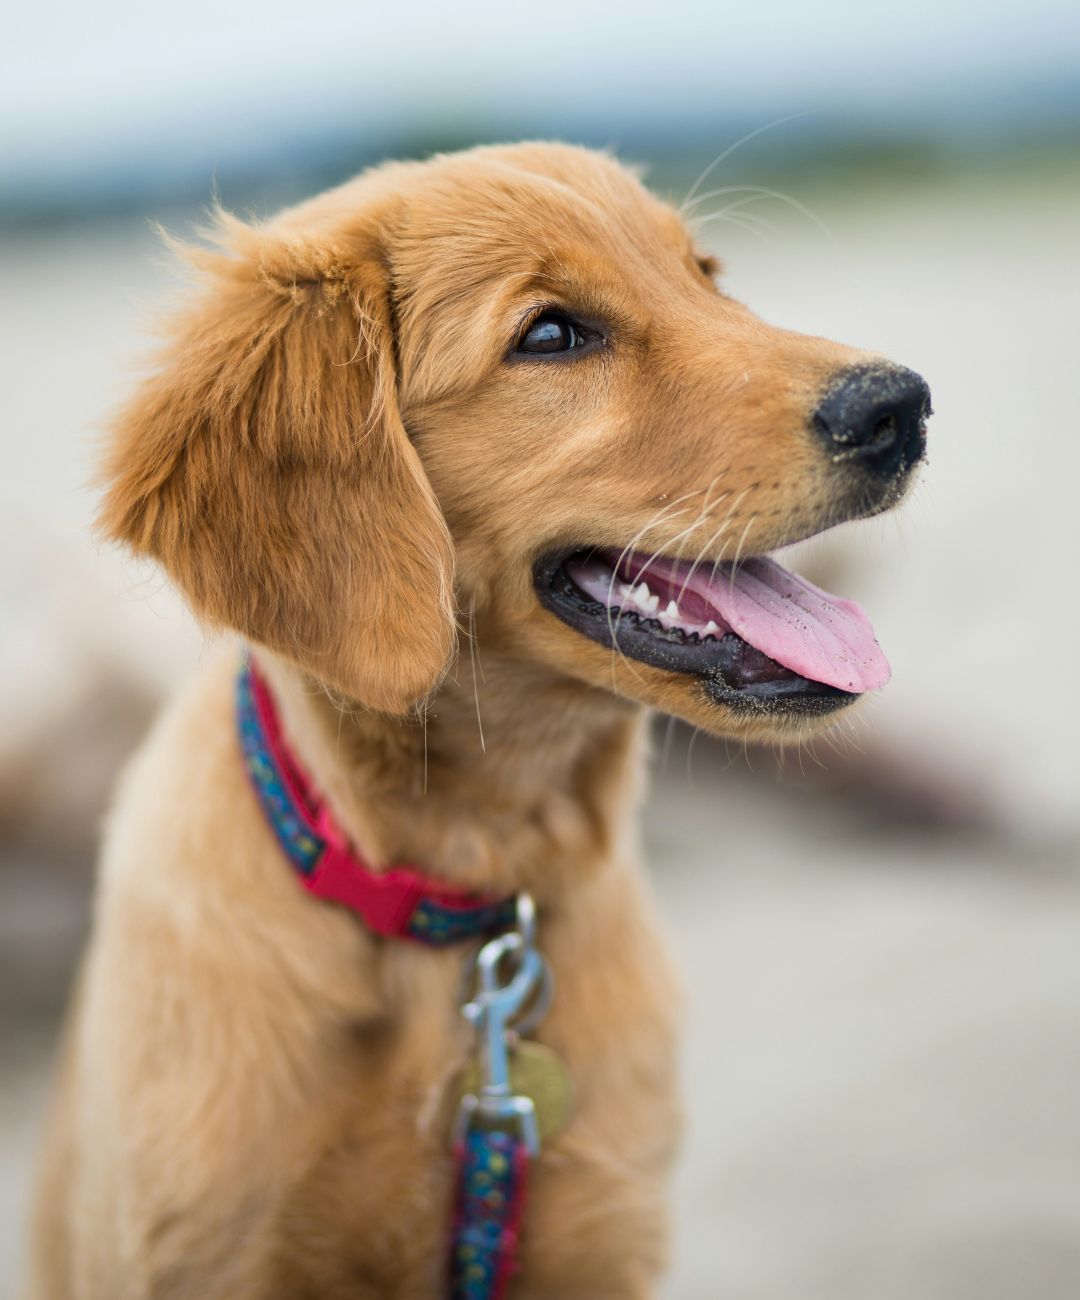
(760,637)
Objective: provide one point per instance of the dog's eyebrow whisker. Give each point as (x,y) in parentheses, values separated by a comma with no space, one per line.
(764,192)
(556,259)
(725,154)
(737,206)
(745,221)
(759,223)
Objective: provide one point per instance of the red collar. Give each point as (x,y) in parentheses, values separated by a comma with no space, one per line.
(401,902)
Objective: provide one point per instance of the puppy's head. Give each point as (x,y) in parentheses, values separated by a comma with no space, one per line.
(506,382)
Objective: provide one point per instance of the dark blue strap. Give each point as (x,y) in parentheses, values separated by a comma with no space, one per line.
(489,1200)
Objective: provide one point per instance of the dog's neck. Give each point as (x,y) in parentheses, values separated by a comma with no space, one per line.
(524,781)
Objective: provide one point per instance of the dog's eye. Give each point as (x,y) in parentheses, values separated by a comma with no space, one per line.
(550,333)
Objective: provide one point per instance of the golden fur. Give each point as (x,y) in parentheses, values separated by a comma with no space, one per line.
(336,460)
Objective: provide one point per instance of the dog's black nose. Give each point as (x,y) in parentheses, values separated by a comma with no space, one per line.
(875,415)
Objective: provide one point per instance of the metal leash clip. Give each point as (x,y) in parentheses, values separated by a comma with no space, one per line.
(501,1012)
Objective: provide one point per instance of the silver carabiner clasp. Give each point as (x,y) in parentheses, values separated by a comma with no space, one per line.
(498,1010)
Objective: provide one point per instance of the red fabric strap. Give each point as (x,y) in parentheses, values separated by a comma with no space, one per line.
(400,902)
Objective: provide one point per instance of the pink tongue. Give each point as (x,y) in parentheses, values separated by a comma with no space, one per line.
(817,635)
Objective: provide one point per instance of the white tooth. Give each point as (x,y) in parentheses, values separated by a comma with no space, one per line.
(710,627)
(672,610)
(644,599)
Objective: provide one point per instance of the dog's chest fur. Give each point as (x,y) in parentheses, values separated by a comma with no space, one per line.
(377,1192)
(295,1076)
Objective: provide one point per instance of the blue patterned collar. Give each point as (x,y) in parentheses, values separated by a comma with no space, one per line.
(400,902)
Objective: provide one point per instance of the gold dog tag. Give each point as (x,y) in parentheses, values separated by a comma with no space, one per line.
(538,1073)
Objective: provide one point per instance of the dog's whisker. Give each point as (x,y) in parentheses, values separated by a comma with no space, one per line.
(476,689)
(738,549)
(808,747)
(709,543)
(667,545)
(728,520)
(627,549)
(340,725)
(650,525)
(764,192)
(665,753)
(755,218)
(707,508)
(706,511)
(725,154)
(653,522)
(745,221)
(702,516)
(690,758)
(738,206)
(424,718)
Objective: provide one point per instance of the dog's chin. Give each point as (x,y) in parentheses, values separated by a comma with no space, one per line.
(748,648)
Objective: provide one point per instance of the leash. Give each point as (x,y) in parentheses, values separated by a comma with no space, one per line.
(518,1093)
(515,1092)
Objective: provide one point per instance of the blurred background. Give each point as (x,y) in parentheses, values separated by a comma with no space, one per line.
(881,934)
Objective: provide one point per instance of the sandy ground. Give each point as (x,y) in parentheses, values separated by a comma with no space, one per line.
(883,1040)
(883,1055)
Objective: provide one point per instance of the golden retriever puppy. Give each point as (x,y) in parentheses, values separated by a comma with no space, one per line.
(482,465)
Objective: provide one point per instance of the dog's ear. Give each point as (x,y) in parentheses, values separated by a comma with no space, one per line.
(265,466)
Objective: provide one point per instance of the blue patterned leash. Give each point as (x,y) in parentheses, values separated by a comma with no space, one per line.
(497,1132)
